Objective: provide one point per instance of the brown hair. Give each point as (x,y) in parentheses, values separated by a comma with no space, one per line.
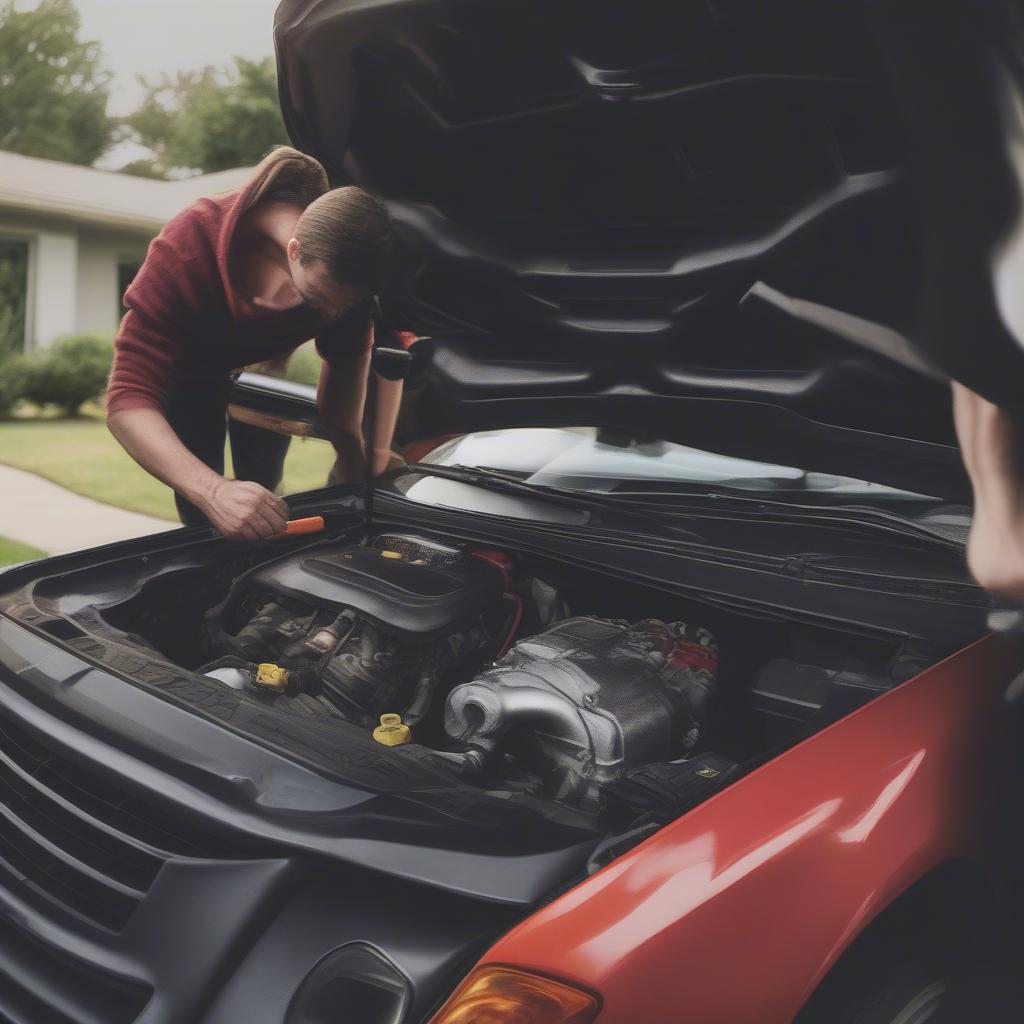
(350,230)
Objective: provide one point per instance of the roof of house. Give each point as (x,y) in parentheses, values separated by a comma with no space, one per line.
(102,197)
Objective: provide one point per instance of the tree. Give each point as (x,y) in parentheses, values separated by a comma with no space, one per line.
(144,169)
(209,120)
(53,86)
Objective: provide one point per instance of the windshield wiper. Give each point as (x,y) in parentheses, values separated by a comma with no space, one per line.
(507,483)
(949,536)
(709,503)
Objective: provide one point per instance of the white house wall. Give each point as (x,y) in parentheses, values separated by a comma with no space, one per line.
(80,223)
(72,286)
(55,271)
(99,253)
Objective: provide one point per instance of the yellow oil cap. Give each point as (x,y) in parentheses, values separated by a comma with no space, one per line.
(272,676)
(387,553)
(391,731)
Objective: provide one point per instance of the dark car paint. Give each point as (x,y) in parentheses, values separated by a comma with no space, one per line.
(283,905)
(958,77)
(588,194)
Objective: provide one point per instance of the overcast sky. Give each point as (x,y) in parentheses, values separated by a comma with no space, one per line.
(150,36)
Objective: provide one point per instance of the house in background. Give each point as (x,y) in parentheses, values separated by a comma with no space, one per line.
(72,238)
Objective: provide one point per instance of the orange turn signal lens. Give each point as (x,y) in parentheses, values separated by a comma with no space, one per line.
(503,995)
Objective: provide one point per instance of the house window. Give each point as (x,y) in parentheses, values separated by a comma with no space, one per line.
(13,294)
(127,268)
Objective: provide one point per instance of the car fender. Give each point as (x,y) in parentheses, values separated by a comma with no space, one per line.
(735,912)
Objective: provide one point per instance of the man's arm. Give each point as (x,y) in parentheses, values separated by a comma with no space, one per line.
(238,509)
(346,348)
(147,351)
(341,397)
(991,444)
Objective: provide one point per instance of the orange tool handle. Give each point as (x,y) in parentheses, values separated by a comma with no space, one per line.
(297,527)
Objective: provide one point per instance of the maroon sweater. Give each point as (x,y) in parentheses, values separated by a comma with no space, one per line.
(185,320)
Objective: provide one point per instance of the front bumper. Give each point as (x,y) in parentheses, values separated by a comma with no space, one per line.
(129,893)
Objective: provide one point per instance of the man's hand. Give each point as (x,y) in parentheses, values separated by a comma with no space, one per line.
(242,510)
(238,509)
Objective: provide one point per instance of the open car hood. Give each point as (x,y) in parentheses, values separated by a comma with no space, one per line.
(607,206)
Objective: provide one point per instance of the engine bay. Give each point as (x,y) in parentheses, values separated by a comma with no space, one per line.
(408,662)
(601,699)
(457,648)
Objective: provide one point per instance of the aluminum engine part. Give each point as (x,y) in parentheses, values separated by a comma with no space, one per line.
(588,698)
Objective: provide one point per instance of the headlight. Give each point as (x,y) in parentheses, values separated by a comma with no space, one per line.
(504,995)
(353,985)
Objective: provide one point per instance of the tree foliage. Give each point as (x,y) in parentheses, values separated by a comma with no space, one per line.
(53,86)
(208,120)
(13,375)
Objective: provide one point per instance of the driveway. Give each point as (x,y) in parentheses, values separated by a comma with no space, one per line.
(38,512)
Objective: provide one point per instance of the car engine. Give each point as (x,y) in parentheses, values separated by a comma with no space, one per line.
(589,698)
(358,630)
(458,651)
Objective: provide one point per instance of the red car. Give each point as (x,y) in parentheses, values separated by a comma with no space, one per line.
(653,688)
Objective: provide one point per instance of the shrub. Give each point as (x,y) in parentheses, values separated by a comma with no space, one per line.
(13,378)
(69,372)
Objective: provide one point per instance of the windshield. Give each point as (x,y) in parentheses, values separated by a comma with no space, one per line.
(597,460)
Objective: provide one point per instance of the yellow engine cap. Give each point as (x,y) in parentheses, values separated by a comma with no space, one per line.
(388,553)
(392,732)
(272,676)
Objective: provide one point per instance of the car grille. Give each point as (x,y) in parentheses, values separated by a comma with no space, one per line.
(70,838)
(38,985)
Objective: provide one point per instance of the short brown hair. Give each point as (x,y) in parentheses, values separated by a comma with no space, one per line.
(350,230)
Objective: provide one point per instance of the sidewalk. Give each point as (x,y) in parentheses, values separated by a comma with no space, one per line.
(38,512)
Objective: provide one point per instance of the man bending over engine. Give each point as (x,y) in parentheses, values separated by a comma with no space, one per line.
(236,279)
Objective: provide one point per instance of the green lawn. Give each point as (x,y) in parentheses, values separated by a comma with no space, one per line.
(12,551)
(82,456)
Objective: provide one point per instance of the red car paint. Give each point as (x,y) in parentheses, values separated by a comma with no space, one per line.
(735,912)
(415,451)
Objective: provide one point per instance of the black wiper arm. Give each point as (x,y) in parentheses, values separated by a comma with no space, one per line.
(791,512)
(507,483)
(860,515)
(837,515)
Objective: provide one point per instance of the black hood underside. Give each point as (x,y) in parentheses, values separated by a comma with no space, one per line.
(605,206)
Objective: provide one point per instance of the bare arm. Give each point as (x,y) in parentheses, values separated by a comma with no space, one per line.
(238,509)
(991,442)
(341,397)
(162,303)
(389,401)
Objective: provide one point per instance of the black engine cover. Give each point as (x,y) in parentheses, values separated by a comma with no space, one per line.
(413,601)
